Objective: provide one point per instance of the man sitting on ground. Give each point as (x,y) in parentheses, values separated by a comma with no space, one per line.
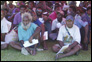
(5,28)
(70,35)
(59,21)
(26,32)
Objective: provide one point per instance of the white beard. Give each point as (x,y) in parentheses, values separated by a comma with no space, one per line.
(25,27)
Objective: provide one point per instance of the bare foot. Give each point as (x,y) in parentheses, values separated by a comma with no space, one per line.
(45,47)
(34,52)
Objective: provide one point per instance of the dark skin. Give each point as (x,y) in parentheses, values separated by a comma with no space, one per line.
(59,18)
(36,32)
(3,46)
(3,34)
(72,49)
(41,26)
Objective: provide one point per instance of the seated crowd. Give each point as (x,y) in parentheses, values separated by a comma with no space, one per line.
(65,23)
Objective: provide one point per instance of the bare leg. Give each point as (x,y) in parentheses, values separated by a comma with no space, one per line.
(73,51)
(56,48)
(4,46)
(34,50)
(15,45)
(44,45)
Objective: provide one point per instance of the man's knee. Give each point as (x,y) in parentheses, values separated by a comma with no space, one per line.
(78,47)
(11,43)
(4,46)
(55,48)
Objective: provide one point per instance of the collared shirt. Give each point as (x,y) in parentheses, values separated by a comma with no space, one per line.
(26,34)
(17,18)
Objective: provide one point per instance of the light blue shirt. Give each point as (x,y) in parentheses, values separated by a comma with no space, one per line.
(79,22)
(26,34)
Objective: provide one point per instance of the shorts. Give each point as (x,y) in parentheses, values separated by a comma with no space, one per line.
(60,46)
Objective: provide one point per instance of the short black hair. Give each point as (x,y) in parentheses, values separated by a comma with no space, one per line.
(5,9)
(88,8)
(57,5)
(73,8)
(23,6)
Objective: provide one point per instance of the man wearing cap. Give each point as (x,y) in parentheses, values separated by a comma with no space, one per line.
(47,22)
(59,21)
(70,35)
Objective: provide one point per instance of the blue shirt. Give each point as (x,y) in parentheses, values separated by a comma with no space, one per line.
(37,22)
(79,22)
(26,34)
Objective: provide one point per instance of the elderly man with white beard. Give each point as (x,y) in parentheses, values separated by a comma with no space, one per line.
(26,32)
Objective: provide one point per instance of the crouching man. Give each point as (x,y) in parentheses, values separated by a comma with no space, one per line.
(26,32)
(69,34)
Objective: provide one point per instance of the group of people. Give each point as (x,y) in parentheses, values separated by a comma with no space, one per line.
(65,23)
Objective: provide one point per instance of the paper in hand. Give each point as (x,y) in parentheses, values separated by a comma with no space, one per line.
(27,43)
(62,49)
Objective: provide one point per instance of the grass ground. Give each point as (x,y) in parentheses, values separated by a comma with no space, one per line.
(47,55)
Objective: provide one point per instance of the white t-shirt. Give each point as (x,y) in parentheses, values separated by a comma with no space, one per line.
(41,20)
(56,24)
(74,32)
(5,25)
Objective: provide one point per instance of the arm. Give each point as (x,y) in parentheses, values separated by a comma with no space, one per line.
(61,43)
(3,36)
(55,30)
(35,33)
(85,25)
(22,42)
(42,31)
(73,44)
(60,37)
(86,32)
(15,21)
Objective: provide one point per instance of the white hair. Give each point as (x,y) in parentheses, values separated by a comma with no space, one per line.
(26,14)
(25,27)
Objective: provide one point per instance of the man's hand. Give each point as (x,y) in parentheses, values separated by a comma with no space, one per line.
(30,40)
(22,41)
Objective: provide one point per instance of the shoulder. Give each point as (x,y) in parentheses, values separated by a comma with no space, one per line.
(17,14)
(55,20)
(75,27)
(19,26)
(33,23)
(62,27)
